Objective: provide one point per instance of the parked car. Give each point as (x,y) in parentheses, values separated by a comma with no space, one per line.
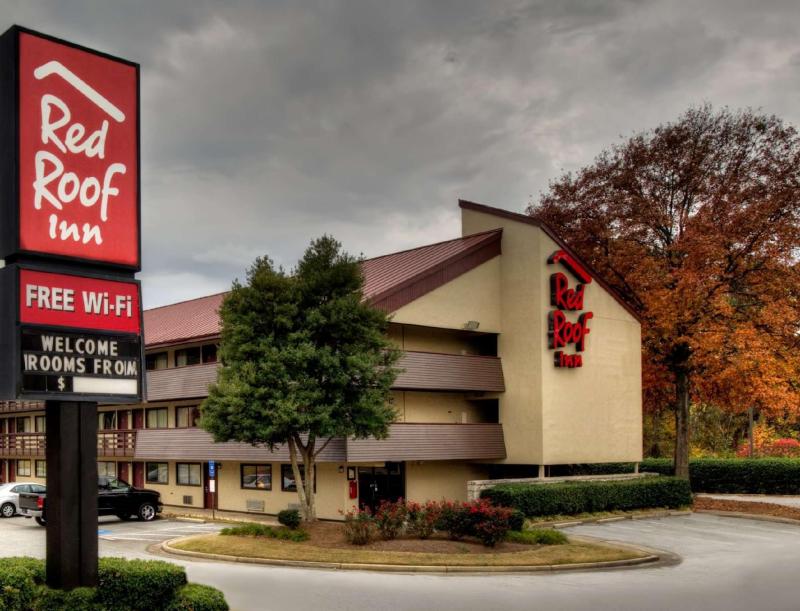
(115,497)
(9,496)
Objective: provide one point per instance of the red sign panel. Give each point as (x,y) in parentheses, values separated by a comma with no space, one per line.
(80,302)
(561,331)
(78,153)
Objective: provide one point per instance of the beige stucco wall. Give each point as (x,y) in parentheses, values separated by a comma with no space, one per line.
(434,481)
(474,295)
(416,406)
(331,497)
(552,415)
(171,493)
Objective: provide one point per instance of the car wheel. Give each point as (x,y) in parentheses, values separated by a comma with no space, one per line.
(147,512)
(41,521)
(8,510)
(124,516)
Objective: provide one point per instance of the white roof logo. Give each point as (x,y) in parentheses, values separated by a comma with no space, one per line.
(55,67)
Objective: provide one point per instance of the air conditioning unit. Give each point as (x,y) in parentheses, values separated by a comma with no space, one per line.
(188,500)
(257,506)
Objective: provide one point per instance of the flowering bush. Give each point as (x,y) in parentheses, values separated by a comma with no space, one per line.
(359,526)
(766,443)
(390,518)
(478,519)
(422,519)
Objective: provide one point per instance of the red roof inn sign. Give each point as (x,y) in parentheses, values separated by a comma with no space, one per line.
(564,298)
(70,313)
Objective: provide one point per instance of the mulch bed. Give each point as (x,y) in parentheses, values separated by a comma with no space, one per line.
(768,509)
(331,535)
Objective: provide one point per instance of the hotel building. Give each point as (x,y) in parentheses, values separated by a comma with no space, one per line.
(517,360)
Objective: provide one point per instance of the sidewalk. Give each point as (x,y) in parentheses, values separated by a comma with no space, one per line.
(774,499)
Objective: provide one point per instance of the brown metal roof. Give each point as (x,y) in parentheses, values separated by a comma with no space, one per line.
(405,442)
(408,441)
(435,371)
(180,382)
(197,445)
(528,220)
(393,280)
(184,321)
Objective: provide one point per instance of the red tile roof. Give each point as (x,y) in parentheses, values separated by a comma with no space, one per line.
(183,321)
(390,282)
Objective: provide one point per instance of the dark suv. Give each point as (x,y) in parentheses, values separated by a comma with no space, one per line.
(114,498)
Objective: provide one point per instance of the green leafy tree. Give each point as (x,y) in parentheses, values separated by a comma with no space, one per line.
(305,359)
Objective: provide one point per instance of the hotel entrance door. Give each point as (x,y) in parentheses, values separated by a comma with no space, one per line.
(376,484)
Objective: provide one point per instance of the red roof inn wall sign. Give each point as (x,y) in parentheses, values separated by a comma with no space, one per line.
(70,309)
(566,298)
(71,118)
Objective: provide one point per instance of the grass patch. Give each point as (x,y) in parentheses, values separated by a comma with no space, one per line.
(250,547)
(537,536)
(264,531)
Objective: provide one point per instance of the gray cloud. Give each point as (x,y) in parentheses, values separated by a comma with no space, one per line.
(265,124)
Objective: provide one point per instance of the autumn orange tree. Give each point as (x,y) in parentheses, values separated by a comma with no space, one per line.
(697,224)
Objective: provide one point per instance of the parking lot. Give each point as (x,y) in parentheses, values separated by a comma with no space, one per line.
(24,537)
(727,564)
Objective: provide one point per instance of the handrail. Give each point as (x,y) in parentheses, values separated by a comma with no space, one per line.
(110,442)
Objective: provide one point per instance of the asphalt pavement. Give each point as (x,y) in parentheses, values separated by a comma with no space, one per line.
(727,564)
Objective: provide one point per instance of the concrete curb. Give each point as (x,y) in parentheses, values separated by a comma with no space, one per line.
(749,516)
(653,556)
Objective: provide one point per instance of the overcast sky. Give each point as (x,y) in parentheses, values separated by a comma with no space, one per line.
(266,124)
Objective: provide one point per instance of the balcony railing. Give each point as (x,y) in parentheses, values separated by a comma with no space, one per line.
(9,407)
(22,445)
(25,445)
(116,442)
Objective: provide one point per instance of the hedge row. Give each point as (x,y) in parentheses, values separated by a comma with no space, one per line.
(566,498)
(124,585)
(736,475)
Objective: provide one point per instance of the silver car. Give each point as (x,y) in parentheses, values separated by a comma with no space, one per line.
(9,496)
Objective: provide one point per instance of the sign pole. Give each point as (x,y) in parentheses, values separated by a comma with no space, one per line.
(71,505)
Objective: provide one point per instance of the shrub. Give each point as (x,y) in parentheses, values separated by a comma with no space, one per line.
(737,475)
(137,584)
(480,519)
(359,526)
(591,496)
(17,586)
(289,518)
(537,536)
(124,585)
(197,597)
(517,520)
(263,530)
(390,518)
(422,519)
(79,599)
(455,520)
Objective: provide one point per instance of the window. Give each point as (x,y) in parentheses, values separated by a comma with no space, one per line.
(287,479)
(187,356)
(107,469)
(41,468)
(187,417)
(188,474)
(24,468)
(39,423)
(157,418)
(158,360)
(157,472)
(257,477)
(23,426)
(107,421)
(209,353)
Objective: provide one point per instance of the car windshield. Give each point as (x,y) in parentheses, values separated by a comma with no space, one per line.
(112,483)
